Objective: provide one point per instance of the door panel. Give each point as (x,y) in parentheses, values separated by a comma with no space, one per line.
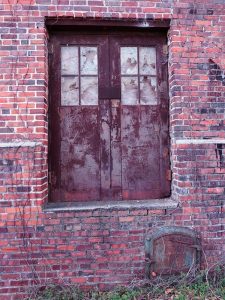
(142,75)
(116,148)
(110,150)
(105,148)
(75,145)
(79,153)
(140,156)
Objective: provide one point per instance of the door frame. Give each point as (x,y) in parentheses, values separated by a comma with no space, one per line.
(112,27)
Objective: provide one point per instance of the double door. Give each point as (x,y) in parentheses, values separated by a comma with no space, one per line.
(108,117)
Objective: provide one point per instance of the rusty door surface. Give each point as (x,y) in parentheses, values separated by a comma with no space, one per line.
(108,117)
(173,254)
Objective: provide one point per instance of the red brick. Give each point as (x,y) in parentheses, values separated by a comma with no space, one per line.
(104,248)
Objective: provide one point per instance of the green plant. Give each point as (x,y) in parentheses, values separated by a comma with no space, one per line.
(58,292)
(127,295)
(180,297)
(200,286)
(200,289)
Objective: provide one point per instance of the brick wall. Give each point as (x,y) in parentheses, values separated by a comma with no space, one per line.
(104,247)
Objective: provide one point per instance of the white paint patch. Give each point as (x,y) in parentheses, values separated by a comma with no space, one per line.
(19,144)
(199,141)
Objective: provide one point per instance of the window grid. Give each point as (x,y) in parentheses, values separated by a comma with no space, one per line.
(86,84)
(146,81)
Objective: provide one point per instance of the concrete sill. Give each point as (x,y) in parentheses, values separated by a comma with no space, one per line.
(107,205)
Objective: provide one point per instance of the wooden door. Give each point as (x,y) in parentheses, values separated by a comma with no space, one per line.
(144,114)
(108,117)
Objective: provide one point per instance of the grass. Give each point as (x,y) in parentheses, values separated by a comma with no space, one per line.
(203,286)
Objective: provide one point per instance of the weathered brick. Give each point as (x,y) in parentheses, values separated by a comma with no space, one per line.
(106,247)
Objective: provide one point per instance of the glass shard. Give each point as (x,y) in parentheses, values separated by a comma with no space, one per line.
(69,60)
(148,93)
(129,60)
(89,90)
(147,60)
(89,60)
(129,95)
(69,91)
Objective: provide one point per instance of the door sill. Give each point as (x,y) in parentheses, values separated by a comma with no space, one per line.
(151,204)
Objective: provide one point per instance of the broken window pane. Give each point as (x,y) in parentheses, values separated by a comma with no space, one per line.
(148,93)
(147,60)
(89,90)
(89,60)
(129,95)
(69,91)
(69,60)
(129,60)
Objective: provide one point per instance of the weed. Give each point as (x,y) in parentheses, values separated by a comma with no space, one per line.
(201,286)
(57,292)
(180,297)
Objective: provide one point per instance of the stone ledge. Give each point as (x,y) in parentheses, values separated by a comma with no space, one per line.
(19,144)
(198,141)
(113,205)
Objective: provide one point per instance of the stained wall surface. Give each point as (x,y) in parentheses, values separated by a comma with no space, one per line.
(105,247)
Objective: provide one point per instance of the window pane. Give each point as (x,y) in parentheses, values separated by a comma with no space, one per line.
(129,94)
(89,90)
(89,60)
(69,91)
(69,60)
(129,60)
(148,94)
(147,61)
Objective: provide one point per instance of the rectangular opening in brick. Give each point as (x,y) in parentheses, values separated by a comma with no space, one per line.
(108,116)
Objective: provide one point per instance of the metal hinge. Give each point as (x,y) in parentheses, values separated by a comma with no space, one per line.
(50,177)
(50,49)
(169,175)
(50,53)
(165,49)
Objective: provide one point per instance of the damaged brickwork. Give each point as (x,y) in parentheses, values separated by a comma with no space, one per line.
(104,247)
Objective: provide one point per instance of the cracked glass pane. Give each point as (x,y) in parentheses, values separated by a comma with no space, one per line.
(147,60)
(129,60)
(129,95)
(89,90)
(89,60)
(69,91)
(69,60)
(148,94)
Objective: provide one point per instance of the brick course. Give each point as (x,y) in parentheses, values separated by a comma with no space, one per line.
(104,247)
